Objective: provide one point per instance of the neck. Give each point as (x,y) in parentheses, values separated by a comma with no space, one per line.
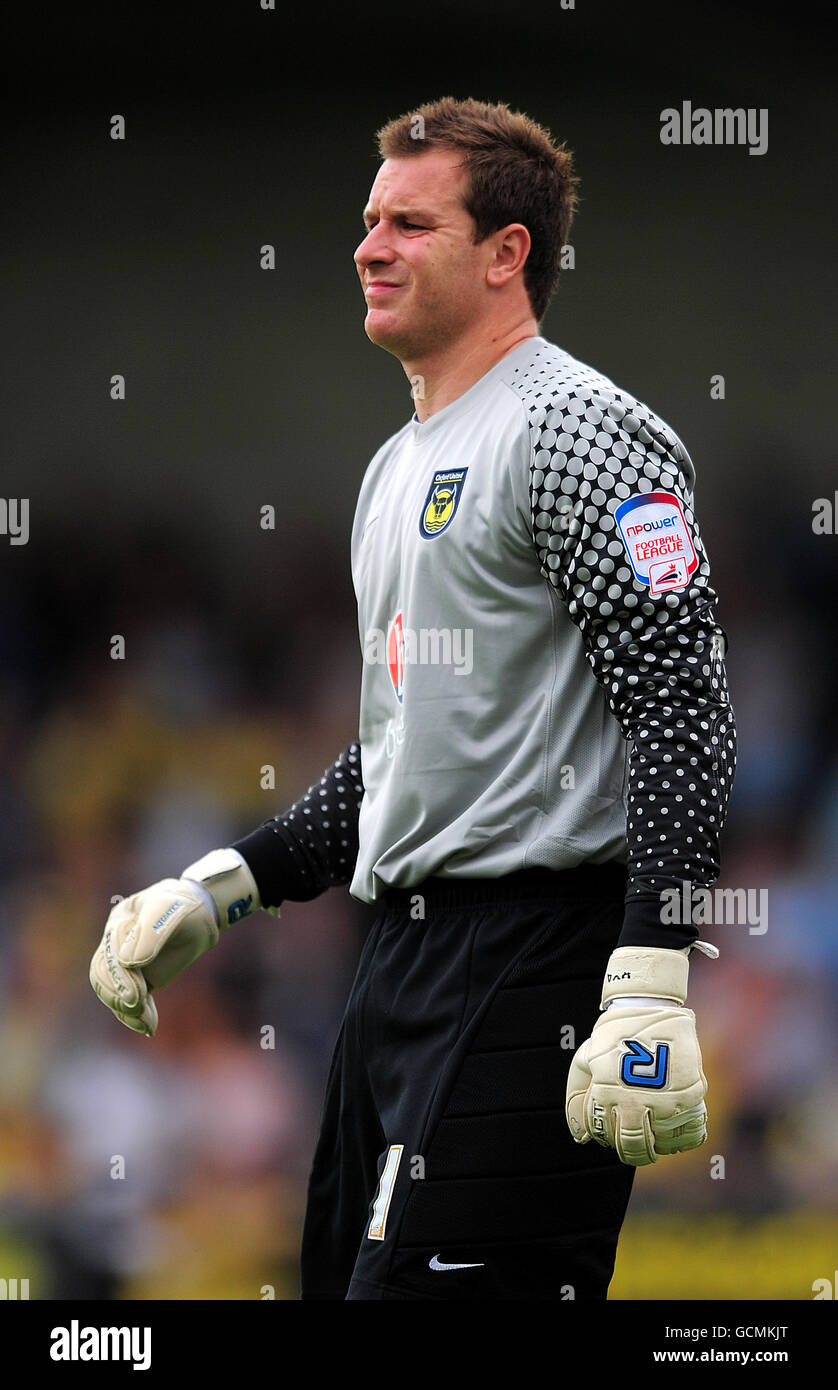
(450,372)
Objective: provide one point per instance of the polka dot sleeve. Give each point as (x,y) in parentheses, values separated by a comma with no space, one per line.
(658,656)
(314,845)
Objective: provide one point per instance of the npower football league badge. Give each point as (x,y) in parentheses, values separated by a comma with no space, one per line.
(441,503)
(658,540)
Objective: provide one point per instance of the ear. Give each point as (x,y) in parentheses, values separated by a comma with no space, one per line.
(511,247)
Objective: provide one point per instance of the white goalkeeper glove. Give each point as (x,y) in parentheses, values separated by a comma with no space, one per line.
(152,936)
(637,1085)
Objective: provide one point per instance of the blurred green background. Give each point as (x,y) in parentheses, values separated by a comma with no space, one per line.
(246,387)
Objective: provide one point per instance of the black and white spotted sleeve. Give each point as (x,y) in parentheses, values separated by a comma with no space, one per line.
(314,844)
(659,656)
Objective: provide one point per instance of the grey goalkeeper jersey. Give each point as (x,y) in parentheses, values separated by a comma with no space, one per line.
(543,679)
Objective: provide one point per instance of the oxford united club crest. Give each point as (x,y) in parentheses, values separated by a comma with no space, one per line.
(441,503)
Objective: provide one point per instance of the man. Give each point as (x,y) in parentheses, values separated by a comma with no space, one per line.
(546,747)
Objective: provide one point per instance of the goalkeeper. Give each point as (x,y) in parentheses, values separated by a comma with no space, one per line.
(546,749)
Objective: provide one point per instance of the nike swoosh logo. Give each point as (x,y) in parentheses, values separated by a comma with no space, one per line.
(435,1264)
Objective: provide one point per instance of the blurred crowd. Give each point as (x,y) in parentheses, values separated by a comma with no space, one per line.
(177,1168)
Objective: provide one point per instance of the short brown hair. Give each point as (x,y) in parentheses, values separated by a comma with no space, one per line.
(517,174)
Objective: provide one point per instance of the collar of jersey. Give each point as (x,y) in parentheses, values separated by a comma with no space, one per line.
(470,399)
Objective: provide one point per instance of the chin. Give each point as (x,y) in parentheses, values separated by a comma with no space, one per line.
(385,332)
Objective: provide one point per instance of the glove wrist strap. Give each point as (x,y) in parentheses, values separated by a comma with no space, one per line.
(227,878)
(639,1001)
(650,970)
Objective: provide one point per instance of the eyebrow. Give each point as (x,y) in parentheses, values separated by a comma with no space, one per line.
(406,214)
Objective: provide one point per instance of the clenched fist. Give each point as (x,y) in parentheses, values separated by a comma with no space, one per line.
(153,935)
(637,1085)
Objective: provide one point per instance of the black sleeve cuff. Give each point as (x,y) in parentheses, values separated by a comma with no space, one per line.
(314,844)
(280,866)
(642,925)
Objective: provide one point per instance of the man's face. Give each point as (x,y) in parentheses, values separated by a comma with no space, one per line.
(423,277)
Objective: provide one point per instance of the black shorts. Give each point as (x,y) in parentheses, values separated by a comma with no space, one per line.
(445,1168)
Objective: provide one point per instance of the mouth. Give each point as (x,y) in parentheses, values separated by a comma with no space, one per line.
(379,287)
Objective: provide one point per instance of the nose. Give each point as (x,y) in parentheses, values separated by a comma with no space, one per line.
(373,248)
